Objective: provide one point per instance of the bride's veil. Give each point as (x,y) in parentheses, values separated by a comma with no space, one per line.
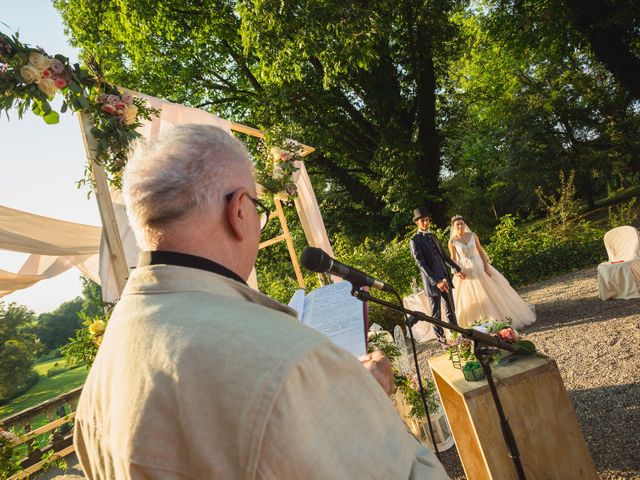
(452,232)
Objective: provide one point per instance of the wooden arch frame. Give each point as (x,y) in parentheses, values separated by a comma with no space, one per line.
(108,218)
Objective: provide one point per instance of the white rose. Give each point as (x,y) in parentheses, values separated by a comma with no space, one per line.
(48,87)
(29,74)
(40,61)
(130,114)
(481,328)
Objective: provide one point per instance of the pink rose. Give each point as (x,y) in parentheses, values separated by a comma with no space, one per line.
(127,98)
(120,105)
(60,82)
(508,335)
(102,98)
(113,99)
(108,108)
(57,66)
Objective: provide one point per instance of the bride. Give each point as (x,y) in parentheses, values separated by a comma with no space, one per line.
(484,292)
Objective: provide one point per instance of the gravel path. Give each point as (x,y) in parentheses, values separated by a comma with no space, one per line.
(595,345)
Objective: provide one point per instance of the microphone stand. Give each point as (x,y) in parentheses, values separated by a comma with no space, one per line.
(410,321)
(481,343)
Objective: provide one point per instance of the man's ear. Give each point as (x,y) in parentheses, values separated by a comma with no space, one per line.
(237,215)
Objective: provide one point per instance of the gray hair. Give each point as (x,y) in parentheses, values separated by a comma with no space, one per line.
(189,167)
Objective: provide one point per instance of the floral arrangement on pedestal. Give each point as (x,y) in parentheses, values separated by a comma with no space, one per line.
(461,352)
(30,79)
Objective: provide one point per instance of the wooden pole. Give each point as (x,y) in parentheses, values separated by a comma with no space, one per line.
(287,235)
(105,207)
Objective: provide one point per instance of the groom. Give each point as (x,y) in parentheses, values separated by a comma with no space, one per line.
(431,261)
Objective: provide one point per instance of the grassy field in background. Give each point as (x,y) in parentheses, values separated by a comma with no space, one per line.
(47,387)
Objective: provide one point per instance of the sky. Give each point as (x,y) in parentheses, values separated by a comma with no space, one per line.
(41,163)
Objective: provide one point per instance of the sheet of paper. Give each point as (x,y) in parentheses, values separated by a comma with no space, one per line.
(334,312)
(297,303)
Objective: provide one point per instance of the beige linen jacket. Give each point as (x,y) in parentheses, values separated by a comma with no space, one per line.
(201,377)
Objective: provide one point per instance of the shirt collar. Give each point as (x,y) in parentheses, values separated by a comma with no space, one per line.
(422,232)
(163,257)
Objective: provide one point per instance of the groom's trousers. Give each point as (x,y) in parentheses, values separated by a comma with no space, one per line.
(436,312)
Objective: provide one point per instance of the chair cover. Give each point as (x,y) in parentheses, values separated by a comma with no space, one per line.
(620,276)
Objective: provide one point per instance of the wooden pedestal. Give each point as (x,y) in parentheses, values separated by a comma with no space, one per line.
(538,410)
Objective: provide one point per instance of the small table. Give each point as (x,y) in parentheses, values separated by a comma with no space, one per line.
(538,409)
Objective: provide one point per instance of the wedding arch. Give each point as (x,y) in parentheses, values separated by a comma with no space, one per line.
(110,119)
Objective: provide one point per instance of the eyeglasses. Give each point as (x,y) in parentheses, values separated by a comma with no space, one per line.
(263,211)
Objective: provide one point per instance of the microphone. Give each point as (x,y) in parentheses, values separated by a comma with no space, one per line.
(316,260)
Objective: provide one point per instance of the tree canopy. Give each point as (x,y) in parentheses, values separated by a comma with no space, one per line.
(465,106)
(18,348)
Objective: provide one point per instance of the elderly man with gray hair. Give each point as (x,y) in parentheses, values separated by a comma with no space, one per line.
(201,377)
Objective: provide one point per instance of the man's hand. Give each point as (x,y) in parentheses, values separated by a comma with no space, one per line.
(460,274)
(380,367)
(443,285)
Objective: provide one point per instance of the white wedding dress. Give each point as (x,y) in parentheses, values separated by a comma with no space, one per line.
(480,296)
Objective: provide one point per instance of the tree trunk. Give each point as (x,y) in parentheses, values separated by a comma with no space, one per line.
(429,163)
(611,35)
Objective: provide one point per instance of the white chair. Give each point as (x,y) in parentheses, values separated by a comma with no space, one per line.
(620,276)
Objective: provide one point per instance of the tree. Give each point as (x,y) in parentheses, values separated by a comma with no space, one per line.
(526,101)
(361,82)
(55,328)
(92,304)
(18,348)
(613,31)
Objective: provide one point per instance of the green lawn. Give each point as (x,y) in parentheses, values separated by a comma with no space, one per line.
(47,387)
(42,368)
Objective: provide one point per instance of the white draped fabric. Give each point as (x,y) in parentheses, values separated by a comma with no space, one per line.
(422,331)
(620,276)
(55,247)
(309,212)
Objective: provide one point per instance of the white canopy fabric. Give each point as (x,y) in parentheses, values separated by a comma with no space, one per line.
(55,245)
(309,211)
(29,233)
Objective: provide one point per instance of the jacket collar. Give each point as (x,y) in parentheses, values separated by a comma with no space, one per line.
(163,257)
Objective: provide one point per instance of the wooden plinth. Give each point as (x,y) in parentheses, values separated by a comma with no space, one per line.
(538,410)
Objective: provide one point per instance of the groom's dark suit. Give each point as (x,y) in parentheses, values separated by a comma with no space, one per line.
(432,261)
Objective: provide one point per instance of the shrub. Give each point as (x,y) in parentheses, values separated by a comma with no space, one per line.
(623,214)
(24,385)
(389,261)
(52,372)
(525,255)
(51,355)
